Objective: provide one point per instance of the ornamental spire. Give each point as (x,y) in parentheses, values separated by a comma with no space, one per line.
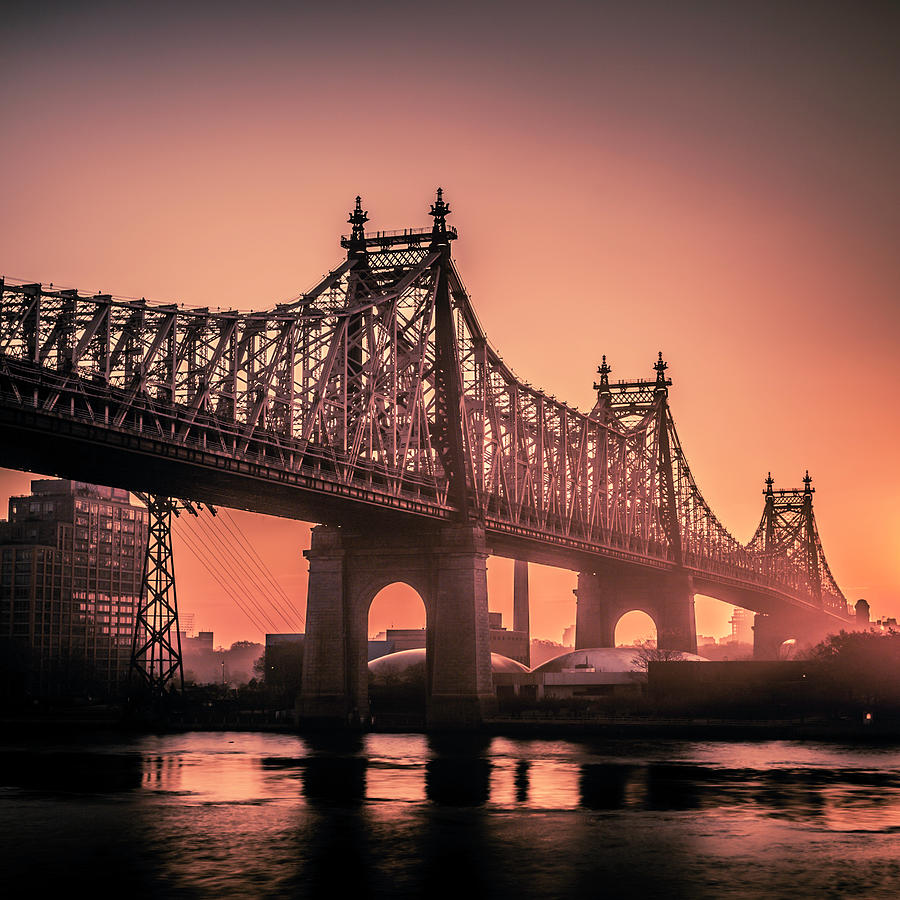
(358,218)
(807,481)
(661,380)
(439,211)
(604,370)
(769,482)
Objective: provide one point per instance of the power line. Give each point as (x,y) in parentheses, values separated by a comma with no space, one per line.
(190,545)
(242,573)
(232,573)
(265,569)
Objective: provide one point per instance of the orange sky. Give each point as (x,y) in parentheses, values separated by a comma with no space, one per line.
(718,182)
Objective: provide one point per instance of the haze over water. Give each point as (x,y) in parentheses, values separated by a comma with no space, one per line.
(261,815)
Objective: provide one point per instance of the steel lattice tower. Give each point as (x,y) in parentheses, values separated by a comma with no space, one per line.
(156,645)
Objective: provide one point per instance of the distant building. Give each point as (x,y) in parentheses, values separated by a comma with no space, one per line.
(378,648)
(283,663)
(405,638)
(511,644)
(71,571)
(587,674)
(394,640)
(202,642)
(273,640)
(741,626)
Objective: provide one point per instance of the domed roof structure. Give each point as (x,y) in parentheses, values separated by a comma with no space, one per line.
(604,659)
(395,663)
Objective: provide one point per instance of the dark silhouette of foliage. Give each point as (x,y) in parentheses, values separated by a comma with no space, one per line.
(647,652)
(860,667)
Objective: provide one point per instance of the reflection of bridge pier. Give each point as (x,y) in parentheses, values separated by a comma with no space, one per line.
(667,597)
(347,569)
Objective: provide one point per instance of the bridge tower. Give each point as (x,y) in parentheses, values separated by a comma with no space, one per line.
(667,595)
(790,542)
(444,563)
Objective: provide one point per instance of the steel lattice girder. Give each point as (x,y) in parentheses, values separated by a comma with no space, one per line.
(349,381)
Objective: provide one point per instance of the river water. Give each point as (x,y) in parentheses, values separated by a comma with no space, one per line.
(263,815)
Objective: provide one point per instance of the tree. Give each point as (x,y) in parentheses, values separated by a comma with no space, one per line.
(259,667)
(647,652)
(860,666)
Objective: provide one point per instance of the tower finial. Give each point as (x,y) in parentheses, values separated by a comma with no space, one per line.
(604,370)
(660,368)
(439,211)
(769,482)
(807,481)
(358,218)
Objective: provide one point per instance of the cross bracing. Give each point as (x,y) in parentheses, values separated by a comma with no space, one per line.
(381,382)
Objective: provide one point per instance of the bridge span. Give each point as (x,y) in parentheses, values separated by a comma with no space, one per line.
(374,404)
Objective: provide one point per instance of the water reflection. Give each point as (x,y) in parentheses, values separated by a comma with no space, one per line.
(458,774)
(335,780)
(404,815)
(71,772)
(522,782)
(606,786)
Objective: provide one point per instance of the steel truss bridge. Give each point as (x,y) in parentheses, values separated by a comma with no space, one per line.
(376,396)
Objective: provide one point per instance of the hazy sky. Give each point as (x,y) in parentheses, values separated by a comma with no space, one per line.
(718,181)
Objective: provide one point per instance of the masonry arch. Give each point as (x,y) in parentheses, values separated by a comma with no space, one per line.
(397,622)
(788,649)
(634,626)
(396,604)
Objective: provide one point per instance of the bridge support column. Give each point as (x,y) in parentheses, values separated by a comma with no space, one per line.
(325,696)
(594,615)
(667,597)
(806,628)
(769,633)
(676,624)
(461,685)
(447,567)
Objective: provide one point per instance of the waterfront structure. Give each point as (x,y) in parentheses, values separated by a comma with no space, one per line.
(586,674)
(71,568)
(401,661)
(374,404)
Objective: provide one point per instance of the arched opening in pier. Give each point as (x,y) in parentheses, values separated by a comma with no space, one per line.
(396,606)
(789,649)
(635,627)
(398,669)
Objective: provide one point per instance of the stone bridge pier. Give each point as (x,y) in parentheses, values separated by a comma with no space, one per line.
(772,630)
(347,568)
(604,597)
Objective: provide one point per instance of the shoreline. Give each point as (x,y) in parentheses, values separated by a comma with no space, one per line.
(686,729)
